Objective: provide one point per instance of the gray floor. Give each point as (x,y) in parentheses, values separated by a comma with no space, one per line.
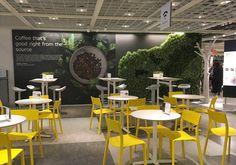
(80,145)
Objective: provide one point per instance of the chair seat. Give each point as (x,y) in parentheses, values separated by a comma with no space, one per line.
(14,136)
(45,111)
(104,110)
(14,153)
(128,140)
(48,116)
(201,110)
(160,129)
(181,135)
(220,131)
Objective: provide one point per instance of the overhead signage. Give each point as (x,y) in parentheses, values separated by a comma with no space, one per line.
(166,16)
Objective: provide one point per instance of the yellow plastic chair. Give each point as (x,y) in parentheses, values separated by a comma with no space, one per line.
(211,106)
(30,115)
(1,107)
(131,106)
(97,109)
(7,154)
(47,109)
(225,131)
(52,117)
(174,101)
(121,141)
(174,136)
(162,130)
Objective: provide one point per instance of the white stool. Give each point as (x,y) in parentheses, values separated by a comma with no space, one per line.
(184,86)
(53,88)
(18,90)
(121,87)
(153,89)
(59,90)
(102,89)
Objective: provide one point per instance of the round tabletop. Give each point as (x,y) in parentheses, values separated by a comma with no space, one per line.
(155,115)
(165,78)
(33,101)
(15,119)
(114,79)
(122,98)
(188,96)
(43,80)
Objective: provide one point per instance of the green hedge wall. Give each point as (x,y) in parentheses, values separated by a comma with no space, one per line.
(175,57)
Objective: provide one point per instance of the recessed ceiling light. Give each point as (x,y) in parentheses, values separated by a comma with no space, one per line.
(223,35)
(29,10)
(199,16)
(147,21)
(204,24)
(21,1)
(39,23)
(188,27)
(174,4)
(130,14)
(214,37)
(53,18)
(234,32)
(125,26)
(81,9)
(224,2)
(79,24)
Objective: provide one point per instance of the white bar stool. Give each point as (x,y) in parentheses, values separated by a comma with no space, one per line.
(184,86)
(121,87)
(18,90)
(53,88)
(102,89)
(153,89)
(59,90)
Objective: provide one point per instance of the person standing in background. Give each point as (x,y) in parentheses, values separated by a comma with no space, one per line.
(217,78)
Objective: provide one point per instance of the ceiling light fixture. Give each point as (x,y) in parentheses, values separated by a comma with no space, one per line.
(174,4)
(53,18)
(214,37)
(125,26)
(81,9)
(39,23)
(199,16)
(234,32)
(79,24)
(21,1)
(223,35)
(224,2)
(129,14)
(188,27)
(29,10)
(204,24)
(147,21)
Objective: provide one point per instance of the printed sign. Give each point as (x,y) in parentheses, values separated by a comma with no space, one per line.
(165,16)
(167,108)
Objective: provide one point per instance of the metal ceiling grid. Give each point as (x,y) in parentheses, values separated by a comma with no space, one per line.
(3,9)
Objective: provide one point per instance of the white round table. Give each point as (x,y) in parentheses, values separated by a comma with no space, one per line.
(15,119)
(189,97)
(122,99)
(44,83)
(155,116)
(112,80)
(33,101)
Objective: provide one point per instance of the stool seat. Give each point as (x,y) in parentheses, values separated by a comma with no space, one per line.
(16,89)
(60,89)
(102,89)
(32,87)
(54,87)
(184,86)
(152,87)
(121,87)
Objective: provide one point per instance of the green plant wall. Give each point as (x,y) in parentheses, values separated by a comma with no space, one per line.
(175,57)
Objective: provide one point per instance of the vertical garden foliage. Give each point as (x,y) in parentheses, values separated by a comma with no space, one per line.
(175,57)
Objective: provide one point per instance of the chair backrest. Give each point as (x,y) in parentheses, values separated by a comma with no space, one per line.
(29,114)
(192,118)
(213,102)
(150,107)
(173,101)
(136,102)
(1,107)
(57,107)
(5,143)
(219,117)
(114,126)
(96,101)
(175,93)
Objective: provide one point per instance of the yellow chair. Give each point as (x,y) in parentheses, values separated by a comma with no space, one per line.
(225,131)
(174,101)
(1,107)
(97,109)
(121,141)
(162,130)
(211,106)
(52,117)
(30,115)
(47,109)
(174,136)
(131,106)
(7,154)
(113,105)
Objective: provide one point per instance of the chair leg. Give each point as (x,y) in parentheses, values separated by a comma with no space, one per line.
(127,121)
(173,152)
(91,120)
(144,155)
(148,145)
(40,146)
(136,132)
(224,151)
(22,158)
(206,142)
(31,152)
(199,151)
(229,145)
(183,149)
(100,124)
(55,129)
(105,153)
(130,154)
(60,124)
(160,139)
(120,156)
(28,125)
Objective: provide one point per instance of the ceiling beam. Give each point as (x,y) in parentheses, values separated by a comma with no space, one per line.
(96,13)
(178,11)
(16,13)
(56,15)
